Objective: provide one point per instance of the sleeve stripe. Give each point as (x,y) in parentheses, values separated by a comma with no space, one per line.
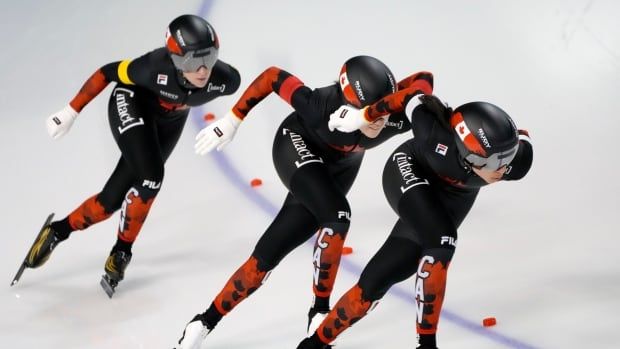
(122,72)
(288,87)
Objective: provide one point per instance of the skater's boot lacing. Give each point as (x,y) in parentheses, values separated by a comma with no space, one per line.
(194,333)
(42,248)
(116,264)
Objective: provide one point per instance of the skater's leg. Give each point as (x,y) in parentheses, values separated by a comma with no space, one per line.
(316,189)
(293,225)
(95,209)
(433,214)
(320,187)
(100,206)
(141,152)
(395,261)
(145,149)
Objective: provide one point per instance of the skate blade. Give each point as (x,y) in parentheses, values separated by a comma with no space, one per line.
(108,285)
(23,266)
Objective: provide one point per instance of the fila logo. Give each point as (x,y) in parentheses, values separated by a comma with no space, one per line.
(441,149)
(344,214)
(448,240)
(162,79)
(56,120)
(151,184)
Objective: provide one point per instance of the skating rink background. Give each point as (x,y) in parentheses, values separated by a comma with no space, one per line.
(540,254)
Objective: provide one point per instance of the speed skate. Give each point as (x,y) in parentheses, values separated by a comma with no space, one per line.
(25,261)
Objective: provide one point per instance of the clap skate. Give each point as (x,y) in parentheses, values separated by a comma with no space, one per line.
(115,267)
(41,249)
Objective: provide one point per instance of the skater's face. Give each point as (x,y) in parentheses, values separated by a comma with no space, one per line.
(373,129)
(490,176)
(199,78)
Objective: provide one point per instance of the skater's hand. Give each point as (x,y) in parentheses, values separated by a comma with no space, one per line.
(218,134)
(60,122)
(347,119)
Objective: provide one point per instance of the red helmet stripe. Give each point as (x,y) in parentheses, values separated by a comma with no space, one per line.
(347,89)
(172,44)
(471,142)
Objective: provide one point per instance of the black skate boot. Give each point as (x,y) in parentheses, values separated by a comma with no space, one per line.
(426,347)
(42,248)
(312,342)
(43,245)
(315,317)
(114,268)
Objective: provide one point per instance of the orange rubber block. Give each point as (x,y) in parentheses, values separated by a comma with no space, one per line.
(488,322)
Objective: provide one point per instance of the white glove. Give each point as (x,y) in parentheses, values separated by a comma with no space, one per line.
(60,122)
(218,134)
(347,119)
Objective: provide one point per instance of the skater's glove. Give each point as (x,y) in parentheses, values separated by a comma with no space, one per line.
(347,119)
(218,134)
(60,122)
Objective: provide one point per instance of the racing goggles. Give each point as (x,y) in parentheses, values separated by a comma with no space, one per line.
(492,162)
(191,61)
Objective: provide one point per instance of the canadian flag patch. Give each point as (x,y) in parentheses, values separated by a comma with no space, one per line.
(462,130)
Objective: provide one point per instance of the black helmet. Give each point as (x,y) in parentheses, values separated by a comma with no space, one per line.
(364,80)
(192,43)
(485,135)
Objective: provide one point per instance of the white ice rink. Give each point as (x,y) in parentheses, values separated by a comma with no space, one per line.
(540,255)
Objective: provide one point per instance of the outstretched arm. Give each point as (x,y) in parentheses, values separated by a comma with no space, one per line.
(418,83)
(116,71)
(60,122)
(273,79)
(349,119)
